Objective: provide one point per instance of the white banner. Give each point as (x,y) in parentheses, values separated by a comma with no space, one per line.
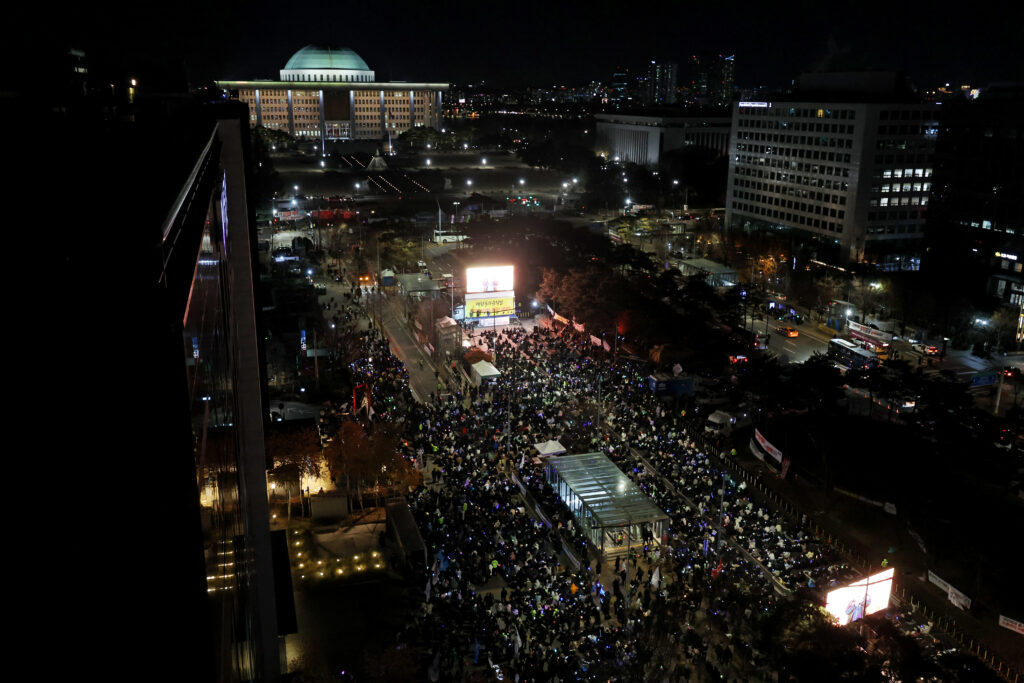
(768,448)
(756,451)
(958,598)
(938,581)
(952,594)
(1012,624)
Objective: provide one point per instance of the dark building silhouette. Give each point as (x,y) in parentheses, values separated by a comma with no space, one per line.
(976,223)
(661,83)
(165,557)
(713,79)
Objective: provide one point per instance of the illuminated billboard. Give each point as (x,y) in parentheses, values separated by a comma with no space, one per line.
(490,305)
(489,279)
(860,598)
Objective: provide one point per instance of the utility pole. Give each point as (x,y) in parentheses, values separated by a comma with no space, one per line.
(721,512)
(316,363)
(999,393)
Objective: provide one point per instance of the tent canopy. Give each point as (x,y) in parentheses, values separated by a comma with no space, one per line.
(549,448)
(485,369)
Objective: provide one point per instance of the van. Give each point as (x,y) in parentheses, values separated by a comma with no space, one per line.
(721,423)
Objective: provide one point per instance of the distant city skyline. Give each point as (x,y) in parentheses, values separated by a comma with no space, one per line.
(542,44)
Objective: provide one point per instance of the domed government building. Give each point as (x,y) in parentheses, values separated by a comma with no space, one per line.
(329,93)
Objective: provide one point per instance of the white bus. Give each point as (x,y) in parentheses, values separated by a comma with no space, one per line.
(850,356)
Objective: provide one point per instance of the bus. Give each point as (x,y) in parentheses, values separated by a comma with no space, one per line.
(850,356)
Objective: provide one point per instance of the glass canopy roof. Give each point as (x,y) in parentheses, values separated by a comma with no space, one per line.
(610,496)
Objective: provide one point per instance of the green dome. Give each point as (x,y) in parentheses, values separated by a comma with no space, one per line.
(326,57)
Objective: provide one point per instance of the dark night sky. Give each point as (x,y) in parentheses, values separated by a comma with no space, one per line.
(543,43)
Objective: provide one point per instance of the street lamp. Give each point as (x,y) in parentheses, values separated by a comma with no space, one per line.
(428,162)
(522,181)
(469,182)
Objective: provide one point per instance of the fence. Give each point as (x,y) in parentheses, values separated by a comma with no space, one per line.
(778,585)
(949,627)
(534,507)
(945,624)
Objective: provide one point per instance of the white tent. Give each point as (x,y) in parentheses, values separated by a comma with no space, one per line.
(483,371)
(549,448)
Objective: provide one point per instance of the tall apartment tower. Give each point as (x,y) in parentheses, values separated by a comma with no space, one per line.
(844,165)
(661,83)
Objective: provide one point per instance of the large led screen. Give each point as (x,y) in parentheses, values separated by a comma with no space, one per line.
(489,279)
(487,306)
(860,598)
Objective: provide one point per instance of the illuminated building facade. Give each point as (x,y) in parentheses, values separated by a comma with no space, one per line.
(661,83)
(329,93)
(846,166)
(642,137)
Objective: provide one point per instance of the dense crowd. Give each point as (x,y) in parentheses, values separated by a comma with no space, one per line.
(520,591)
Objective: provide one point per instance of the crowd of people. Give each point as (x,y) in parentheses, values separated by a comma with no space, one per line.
(523,592)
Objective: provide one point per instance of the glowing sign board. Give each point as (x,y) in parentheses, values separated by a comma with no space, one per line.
(860,598)
(490,305)
(489,279)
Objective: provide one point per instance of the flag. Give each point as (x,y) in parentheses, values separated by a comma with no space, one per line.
(522,461)
(518,642)
(656,578)
(476,649)
(428,590)
(717,570)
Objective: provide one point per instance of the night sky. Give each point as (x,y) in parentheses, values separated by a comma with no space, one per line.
(552,43)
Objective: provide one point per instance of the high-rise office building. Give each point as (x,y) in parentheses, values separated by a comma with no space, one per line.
(661,83)
(713,78)
(620,86)
(844,164)
(976,221)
